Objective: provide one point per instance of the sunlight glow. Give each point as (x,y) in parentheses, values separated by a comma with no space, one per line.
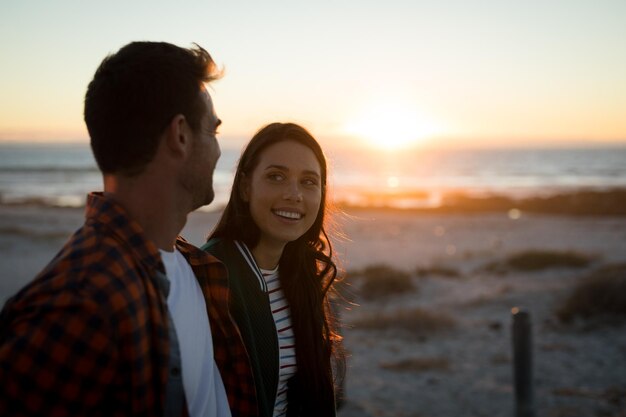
(393,182)
(392,127)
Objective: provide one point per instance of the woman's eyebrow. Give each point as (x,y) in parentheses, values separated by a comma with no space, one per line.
(284,168)
(275,166)
(314,173)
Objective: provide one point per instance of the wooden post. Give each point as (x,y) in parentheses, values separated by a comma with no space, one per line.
(522,364)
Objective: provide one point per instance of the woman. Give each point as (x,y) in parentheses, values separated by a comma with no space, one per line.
(272,240)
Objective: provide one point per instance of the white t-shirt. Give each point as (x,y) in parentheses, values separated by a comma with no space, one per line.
(204,389)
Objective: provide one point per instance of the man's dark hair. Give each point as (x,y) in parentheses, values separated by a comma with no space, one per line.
(134,95)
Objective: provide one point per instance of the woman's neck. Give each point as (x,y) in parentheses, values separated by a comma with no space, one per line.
(267,256)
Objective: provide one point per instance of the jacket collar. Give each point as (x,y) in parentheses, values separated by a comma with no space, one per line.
(104,211)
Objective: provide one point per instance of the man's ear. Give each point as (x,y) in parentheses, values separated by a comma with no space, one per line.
(178,135)
(244,188)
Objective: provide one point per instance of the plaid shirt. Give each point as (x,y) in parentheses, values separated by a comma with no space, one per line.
(89,336)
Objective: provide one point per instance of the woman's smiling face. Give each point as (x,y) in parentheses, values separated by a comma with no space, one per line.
(284,192)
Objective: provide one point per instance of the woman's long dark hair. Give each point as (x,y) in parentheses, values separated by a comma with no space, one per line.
(306,267)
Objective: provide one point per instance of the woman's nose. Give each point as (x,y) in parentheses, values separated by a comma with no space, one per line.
(293,191)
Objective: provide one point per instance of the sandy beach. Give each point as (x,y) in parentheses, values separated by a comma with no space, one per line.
(457,270)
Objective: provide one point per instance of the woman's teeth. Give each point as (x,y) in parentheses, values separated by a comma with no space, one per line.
(293,215)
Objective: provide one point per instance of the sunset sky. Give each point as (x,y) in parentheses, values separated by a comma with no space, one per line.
(389,74)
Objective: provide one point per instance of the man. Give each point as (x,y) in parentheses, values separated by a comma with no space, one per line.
(128,319)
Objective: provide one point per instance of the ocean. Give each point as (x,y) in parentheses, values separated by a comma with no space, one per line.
(62,174)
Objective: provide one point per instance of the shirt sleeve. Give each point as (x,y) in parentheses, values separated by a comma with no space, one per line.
(57,355)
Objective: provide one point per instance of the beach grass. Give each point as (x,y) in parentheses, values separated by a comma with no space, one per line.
(382,281)
(539,260)
(34,234)
(418,365)
(610,202)
(437,271)
(415,322)
(612,395)
(601,293)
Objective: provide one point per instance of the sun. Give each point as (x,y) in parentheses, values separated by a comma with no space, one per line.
(391,127)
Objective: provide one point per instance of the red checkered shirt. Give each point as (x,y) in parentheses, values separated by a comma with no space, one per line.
(89,336)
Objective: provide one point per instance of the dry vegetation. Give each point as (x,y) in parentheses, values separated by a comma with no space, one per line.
(580,203)
(418,365)
(437,271)
(37,235)
(601,293)
(380,281)
(415,322)
(538,260)
(612,396)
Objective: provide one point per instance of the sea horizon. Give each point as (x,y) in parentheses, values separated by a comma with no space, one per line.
(61,174)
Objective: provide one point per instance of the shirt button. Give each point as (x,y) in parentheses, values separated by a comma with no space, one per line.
(175,371)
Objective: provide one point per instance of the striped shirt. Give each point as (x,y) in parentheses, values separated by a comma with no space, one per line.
(269,283)
(286,340)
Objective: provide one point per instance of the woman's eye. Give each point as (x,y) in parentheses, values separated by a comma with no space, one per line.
(310,181)
(275,177)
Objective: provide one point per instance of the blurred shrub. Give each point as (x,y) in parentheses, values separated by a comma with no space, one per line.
(536,260)
(380,281)
(601,293)
(586,202)
(414,322)
(418,365)
(438,271)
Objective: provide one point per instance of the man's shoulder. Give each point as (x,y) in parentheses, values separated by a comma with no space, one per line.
(91,248)
(91,262)
(90,274)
